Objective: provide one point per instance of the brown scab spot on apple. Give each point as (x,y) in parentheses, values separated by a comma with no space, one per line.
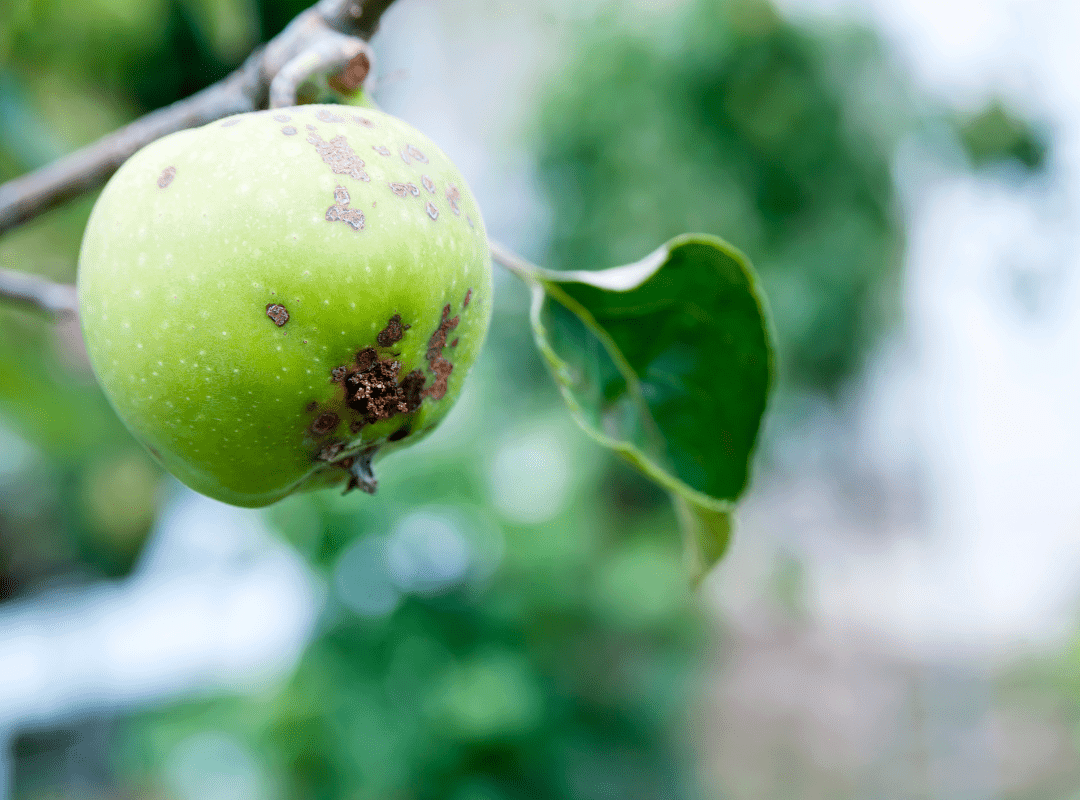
(325,115)
(412,386)
(415,154)
(366,358)
(337,374)
(325,423)
(413,189)
(339,156)
(468,298)
(278,313)
(282,118)
(382,150)
(454,343)
(436,363)
(311,406)
(288,130)
(340,211)
(429,184)
(374,392)
(400,189)
(393,332)
(431,210)
(166,177)
(454,196)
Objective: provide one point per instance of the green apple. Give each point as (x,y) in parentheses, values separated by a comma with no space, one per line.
(270,300)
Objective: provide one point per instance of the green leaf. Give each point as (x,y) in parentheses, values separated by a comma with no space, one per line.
(668,361)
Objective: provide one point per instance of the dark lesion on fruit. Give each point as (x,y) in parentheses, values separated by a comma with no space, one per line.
(340,211)
(393,332)
(374,393)
(278,313)
(436,363)
(338,155)
(166,177)
(325,423)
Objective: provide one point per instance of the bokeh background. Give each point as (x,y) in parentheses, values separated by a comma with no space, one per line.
(509,616)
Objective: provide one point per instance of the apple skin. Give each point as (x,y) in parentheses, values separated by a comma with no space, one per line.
(276,297)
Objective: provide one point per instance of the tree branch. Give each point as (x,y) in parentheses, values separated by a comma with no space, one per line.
(246,89)
(37,292)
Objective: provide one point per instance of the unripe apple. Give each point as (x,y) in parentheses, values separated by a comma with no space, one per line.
(270,300)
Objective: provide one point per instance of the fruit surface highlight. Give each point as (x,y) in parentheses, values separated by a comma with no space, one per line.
(270,300)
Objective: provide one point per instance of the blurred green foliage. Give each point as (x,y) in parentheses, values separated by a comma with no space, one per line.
(995,134)
(734,122)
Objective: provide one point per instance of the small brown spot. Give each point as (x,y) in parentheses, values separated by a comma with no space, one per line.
(468,298)
(311,406)
(341,158)
(431,210)
(325,115)
(367,123)
(405,155)
(393,332)
(282,118)
(337,374)
(350,78)
(415,154)
(399,434)
(340,211)
(454,196)
(429,184)
(412,386)
(311,127)
(325,423)
(454,343)
(356,425)
(414,190)
(230,122)
(381,150)
(166,177)
(331,451)
(278,313)
(399,189)
(289,130)
(366,358)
